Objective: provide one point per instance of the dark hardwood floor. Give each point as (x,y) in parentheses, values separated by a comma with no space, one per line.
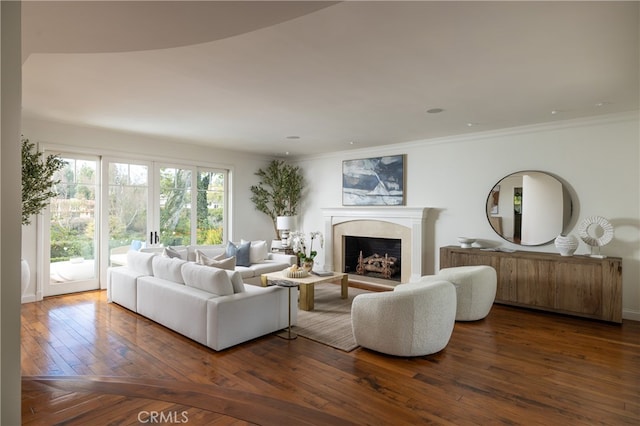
(87,362)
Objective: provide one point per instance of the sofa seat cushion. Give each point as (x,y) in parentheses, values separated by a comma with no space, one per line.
(245,272)
(207,278)
(168,268)
(178,307)
(121,288)
(268,266)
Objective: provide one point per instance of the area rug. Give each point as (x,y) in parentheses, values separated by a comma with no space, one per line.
(330,321)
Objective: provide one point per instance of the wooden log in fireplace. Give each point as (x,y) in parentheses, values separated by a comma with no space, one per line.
(387,265)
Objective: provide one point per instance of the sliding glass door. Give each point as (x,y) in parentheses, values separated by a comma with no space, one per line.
(106,207)
(211,202)
(71,237)
(191,206)
(128,204)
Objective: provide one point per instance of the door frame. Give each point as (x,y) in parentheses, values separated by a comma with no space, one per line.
(43,283)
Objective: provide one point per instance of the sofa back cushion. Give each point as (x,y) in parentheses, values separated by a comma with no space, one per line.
(140,262)
(236,281)
(207,278)
(168,268)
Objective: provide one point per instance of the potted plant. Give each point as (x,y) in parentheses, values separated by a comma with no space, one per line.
(300,248)
(37,188)
(279,191)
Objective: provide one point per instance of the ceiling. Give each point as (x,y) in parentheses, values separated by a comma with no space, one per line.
(293,78)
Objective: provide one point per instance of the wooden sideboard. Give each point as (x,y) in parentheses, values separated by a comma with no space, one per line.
(574,285)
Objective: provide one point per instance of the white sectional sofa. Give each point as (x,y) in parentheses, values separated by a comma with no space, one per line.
(209,305)
(261,261)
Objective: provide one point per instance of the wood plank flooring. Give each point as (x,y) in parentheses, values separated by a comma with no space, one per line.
(87,362)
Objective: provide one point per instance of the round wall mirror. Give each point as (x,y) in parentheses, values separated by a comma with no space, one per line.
(529,208)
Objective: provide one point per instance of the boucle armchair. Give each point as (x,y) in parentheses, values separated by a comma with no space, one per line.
(413,320)
(475,289)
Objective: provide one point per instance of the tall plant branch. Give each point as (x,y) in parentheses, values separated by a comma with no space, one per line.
(37,179)
(279,191)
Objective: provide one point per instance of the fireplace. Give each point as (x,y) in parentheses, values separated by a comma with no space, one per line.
(406,224)
(373,257)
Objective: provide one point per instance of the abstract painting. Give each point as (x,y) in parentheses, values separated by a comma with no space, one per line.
(377,181)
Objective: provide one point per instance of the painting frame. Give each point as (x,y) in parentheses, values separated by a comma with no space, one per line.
(374,181)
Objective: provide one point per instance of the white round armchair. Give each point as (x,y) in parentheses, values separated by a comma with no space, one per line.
(413,320)
(475,289)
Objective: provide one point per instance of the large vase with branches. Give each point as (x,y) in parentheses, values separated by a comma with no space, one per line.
(279,191)
(38,184)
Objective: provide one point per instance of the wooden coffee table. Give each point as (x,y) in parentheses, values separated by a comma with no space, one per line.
(306,285)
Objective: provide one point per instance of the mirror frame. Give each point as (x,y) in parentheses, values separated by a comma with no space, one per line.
(567,209)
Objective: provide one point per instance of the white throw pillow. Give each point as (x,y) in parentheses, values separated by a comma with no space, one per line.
(219,261)
(212,280)
(175,253)
(258,251)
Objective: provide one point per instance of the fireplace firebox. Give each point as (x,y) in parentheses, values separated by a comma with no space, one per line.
(373,257)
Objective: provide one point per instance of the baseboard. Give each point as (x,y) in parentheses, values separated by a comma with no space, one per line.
(629,314)
(28,298)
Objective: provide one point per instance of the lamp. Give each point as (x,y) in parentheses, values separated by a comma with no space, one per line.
(284,224)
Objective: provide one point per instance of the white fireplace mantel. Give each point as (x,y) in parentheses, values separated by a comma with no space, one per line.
(413,218)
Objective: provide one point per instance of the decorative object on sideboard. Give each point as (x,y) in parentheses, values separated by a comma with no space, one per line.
(466,242)
(547,208)
(566,244)
(596,231)
(377,181)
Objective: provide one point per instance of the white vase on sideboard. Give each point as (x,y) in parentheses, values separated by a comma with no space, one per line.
(566,244)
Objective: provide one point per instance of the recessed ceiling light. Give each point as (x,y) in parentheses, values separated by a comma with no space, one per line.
(351,142)
(554,111)
(470,124)
(435,110)
(601,104)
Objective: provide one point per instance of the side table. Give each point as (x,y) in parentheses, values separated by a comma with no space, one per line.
(289,335)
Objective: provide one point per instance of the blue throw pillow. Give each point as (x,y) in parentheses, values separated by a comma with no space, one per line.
(241,252)
(231,249)
(136,245)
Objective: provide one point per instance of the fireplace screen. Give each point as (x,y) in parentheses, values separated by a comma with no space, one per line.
(374,257)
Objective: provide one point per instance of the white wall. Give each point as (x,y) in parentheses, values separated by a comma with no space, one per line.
(598,159)
(246,222)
